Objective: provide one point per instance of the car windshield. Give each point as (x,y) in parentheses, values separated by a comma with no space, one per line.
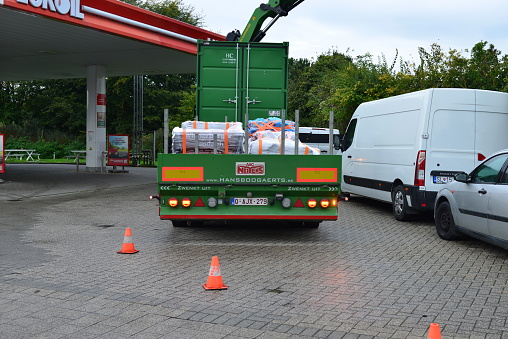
(489,170)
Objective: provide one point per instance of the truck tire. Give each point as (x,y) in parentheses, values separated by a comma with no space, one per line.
(445,226)
(311,224)
(400,208)
(179,223)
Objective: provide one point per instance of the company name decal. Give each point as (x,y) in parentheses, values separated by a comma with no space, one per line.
(250,168)
(64,7)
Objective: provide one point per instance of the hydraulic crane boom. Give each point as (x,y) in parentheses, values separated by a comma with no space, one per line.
(273,9)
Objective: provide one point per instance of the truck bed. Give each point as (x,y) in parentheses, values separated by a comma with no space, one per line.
(248,187)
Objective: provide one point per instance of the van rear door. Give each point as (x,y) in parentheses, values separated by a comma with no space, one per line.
(491,124)
(450,147)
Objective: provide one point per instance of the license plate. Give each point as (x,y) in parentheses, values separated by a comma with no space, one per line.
(442,180)
(249,201)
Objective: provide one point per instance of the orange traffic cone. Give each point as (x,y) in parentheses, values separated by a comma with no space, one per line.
(214,281)
(128,245)
(434,331)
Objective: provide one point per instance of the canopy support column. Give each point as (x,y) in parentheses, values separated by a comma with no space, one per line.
(95,117)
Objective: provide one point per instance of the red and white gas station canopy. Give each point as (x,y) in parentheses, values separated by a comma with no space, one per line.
(56,39)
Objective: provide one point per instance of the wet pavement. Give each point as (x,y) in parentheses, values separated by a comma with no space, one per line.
(363,276)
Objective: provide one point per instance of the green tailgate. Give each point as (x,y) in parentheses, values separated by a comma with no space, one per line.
(238,78)
(248,186)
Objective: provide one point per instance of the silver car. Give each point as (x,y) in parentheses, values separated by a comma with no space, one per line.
(476,204)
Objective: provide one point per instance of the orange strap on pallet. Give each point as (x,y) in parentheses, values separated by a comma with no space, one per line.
(260,146)
(226,143)
(306,150)
(184,141)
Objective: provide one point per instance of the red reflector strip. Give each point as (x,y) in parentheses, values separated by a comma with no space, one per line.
(182,173)
(316,174)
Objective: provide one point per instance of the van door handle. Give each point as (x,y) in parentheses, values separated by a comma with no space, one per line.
(482,191)
(349,156)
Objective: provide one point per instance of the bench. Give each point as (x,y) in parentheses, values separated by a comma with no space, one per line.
(73,157)
(17,156)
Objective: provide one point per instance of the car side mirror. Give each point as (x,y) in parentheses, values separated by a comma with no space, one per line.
(461,177)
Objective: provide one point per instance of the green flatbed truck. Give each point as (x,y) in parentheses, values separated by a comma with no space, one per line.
(239,81)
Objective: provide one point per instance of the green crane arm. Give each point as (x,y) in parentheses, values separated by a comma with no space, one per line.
(273,9)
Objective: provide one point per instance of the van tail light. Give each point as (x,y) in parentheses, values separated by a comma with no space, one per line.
(420,169)
(481,157)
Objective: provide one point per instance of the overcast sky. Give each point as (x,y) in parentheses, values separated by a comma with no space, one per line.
(373,26)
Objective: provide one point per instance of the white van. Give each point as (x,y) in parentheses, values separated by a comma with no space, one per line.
(320,138)
(405,148)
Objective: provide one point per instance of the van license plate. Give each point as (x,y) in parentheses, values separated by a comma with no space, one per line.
(249,201)
(442,180)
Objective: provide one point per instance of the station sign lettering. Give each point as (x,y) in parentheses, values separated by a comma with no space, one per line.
(64,7)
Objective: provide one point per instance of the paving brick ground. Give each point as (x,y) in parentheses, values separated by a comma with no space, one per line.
(364,276)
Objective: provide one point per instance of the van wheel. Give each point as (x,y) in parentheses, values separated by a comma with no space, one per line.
(400,208)
(445,226)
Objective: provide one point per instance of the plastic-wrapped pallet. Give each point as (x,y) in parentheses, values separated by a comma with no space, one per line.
(269,124)
(209,125)
(229,141)
(272,134)
(266,145)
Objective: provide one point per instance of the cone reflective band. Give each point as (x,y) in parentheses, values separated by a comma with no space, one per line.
(214,281)
(128,245)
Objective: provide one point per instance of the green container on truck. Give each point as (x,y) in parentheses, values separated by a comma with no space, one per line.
(238,82)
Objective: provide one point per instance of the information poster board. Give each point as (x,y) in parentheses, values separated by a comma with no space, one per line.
(118,150)
(2,160)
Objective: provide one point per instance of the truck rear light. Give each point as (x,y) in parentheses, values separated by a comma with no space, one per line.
(325,203)
(334,202)
(173,202)
(420,169)
(186,202)
(211,202)
(286,202)
(312,203)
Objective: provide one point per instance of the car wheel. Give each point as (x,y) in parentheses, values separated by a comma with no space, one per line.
(400,208)
(445,226)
